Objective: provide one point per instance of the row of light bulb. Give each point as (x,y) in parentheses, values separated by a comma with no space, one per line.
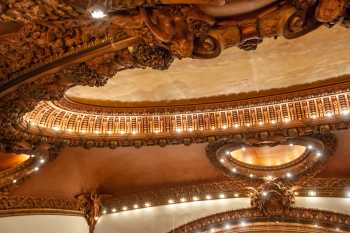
(311,193)
(173,201)
(35,169)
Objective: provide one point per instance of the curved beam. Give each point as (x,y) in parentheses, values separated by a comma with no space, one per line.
(237,7)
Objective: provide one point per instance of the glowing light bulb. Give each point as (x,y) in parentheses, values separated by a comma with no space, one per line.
(222,195)
(183,199)
(208,197)
(312,193)
(171,201)
(98,14)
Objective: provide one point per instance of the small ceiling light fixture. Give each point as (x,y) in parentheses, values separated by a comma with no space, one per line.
(236,195)
(195,198)
(97,13)
(42,161)
(296,193)
(227,152)
(261,123)
(178,130)
(208,197)
(224,126)
(222,160)
(222,195)
(251,175)
(264,194)
(273,122)
(171,201)
(291,144)
(125,208)
(289,175)
(136,206)
(36,169)
(310,147)
(234,170)
(318,154)
(227,226)
(182,199)
(329,114)
(114,210)
(243,224)
(243,148)
(236,125)
(104,212)
(14,181)
(345,112)
(147,204)
(312,193)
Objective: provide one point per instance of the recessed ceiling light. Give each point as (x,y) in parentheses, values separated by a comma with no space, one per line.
(195,198)
(183,199)
(114,210)
(236,195)
(222,195)
(243,224)
(136,206)
(264,194)
(310,147)
(171,201)
(147,204)
(208,197)
(289,175)
(125,208)
(312,193)
(234,170)
(98,14)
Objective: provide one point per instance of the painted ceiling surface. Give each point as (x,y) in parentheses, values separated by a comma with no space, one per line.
(275,64)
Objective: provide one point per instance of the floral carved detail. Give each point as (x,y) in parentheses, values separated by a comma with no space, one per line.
(272,195)
(15,205)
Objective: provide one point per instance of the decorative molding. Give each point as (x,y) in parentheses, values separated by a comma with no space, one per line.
(231,188)
(286,117)
(306,165)
(42,59)
(326,219)
(15,206)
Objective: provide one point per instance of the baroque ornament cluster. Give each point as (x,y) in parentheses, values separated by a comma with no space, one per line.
(49,47)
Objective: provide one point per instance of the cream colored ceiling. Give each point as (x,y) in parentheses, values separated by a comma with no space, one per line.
(277,63)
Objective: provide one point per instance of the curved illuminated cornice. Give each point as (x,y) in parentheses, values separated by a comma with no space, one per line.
(324,220)
(327,105)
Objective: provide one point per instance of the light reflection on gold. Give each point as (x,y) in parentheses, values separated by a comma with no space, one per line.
(8,161)
(268,156)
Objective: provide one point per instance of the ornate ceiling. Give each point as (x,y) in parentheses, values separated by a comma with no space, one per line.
(111,106)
